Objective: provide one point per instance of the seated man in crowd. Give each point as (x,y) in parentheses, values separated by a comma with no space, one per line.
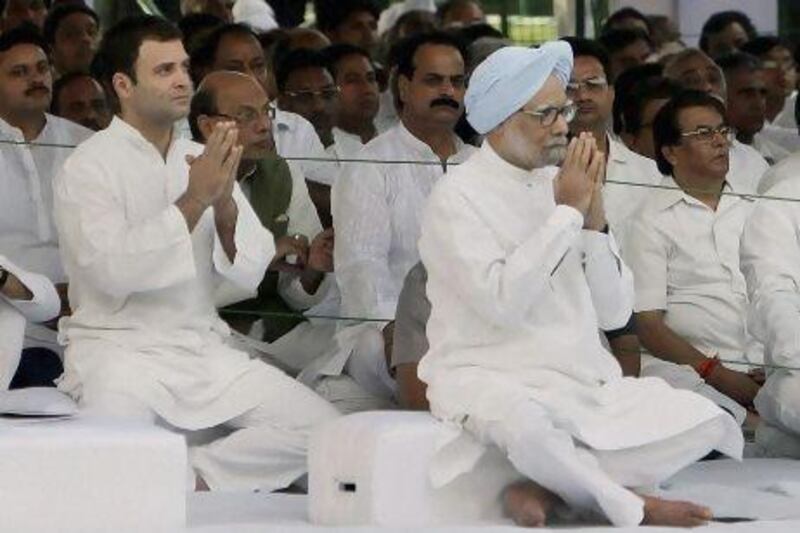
(639,111)
(306,87)
(692,69)
(520,277)
(349,21)
(746,97)
(457,13)
(354,74)
(277,192)
(80,98)
(236,47)
(376,209)
(156,234)
(779,71)
(725,32)
(15,13)
(25,296)
(770,261)
(73,32)
(626,49)
(683,249)
(27,229)
(627,18)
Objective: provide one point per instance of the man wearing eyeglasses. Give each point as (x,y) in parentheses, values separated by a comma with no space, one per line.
(683,248)
(277,191)
(520,278)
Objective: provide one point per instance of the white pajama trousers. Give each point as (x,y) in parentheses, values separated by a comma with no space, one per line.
(586,479)
(263,448)
(778,404)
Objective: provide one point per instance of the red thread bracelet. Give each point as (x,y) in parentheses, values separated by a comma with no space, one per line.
(707,367)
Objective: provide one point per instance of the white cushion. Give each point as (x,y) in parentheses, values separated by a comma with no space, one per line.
(373,468)
(36,401)
(91,475)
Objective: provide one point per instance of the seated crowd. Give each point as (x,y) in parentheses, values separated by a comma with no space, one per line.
(232,222)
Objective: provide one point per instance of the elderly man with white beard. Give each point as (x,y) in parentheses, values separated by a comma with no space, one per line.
(521,275)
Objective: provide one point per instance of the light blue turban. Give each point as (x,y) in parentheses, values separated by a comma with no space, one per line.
(511,76)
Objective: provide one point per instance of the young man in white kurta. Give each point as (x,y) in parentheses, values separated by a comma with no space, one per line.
(24,297)
(770,261)
(518,292)
(149,262)
(376,209)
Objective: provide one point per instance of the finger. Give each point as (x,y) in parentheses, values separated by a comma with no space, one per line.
(216,149)
(227,145)
(230,165)
(212,143)
(587,150)
(597,168)
(190,159)
(570,157)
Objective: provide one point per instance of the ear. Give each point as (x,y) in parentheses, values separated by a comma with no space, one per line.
(402,87)
(669,154)
(123,85)
(206,126)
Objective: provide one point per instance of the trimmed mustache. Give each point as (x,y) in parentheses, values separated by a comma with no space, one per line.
(32,89)
(449,102)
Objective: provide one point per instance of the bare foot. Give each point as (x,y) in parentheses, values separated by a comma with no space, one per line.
(527,503)
(658,512)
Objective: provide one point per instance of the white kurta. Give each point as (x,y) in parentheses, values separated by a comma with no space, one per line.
(747,167)
(27,229)
(515,356)
(621,201)
(295,137)
(44,305)
(785,119)
(145,290)
(771,151)
(770,261)
(376,210)
(345,145)
(786,169)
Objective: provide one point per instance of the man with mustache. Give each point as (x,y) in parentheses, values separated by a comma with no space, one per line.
(80,98)
(27,230)
(73,32)
(157,234)
(520,277)
(306,87)
(683,249)
(376,209)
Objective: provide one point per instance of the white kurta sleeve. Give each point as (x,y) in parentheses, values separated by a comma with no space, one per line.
(303,220)
(120,256)
(362,221)
(255,248)
(770,261)
(12,334)
(609,279)
(646,255)
(45,303)
(498,283)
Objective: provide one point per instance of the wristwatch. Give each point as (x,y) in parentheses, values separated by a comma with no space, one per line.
(3,277)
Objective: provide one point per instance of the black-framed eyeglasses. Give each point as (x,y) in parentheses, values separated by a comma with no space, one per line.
(307,97)
(592,85)
(548,115)
(706,135)
(248,116)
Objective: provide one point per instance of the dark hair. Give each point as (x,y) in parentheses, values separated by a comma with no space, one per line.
(194,26)
(642,94)
(24,34)
(404,52)
(205,52)
(61,12)
(615,40)
(204,102)
(61,83)
(295,60)
(332,13)
(622,14)
(588,47)
(473,32)
(719,21)
(738,60)
(119,49)
(336,52)
(667,131)
(624,86)
(761,46)
(445,8)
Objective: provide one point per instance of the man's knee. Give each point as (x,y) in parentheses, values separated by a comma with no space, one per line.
(778,401)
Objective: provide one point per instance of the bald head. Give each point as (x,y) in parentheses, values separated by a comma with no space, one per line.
(693,69)
(228,95)
(307,38)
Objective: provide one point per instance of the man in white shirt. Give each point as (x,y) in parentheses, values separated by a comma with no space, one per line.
(747,105)
(73,32)
(277,192)
(24,296)
(354,74)
(693,69)
(644,101)
(27,230)
(520,278)
(376,208)
(156,234)
(683,249)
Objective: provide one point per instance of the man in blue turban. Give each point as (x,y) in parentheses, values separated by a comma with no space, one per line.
(522,273)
